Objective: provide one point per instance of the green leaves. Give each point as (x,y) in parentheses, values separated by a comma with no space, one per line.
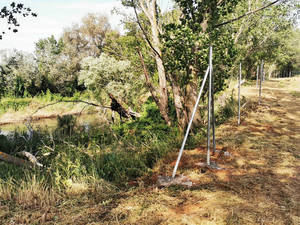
(186,44)
(107,74)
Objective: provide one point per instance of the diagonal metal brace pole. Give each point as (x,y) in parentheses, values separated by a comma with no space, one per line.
(190,124)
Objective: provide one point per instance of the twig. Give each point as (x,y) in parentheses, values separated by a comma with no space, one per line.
(246,14)
(74,101)
(244,104)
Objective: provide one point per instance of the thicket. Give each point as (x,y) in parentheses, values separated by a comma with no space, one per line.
(119,153)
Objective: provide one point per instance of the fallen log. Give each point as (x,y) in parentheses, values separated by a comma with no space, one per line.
(15,160)
(31,158)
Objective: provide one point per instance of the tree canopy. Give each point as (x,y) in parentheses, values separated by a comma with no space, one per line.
(11,12)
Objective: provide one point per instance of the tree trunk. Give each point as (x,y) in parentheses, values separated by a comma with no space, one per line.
(181,113)
(14,160)
(190,100)
(149,8)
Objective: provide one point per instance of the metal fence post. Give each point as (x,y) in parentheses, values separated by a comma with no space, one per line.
(261,75)
(257,72)
(239,95)
(213,113)
(209,106)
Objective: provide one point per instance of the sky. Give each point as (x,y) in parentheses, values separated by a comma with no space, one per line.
(53,17)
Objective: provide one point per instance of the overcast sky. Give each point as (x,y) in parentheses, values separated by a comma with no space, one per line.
(53,17)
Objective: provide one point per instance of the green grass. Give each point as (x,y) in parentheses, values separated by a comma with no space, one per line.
(118,154)
(14,104)
(296,94)
(17,104)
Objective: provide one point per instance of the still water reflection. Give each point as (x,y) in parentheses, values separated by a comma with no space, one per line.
(85,120)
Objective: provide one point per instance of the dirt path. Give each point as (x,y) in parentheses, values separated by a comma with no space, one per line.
(261,183)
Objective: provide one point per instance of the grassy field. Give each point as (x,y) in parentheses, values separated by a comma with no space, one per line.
(258,185)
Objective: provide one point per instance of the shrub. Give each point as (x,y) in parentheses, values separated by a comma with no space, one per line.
(14,103)
(149,124)
(66,124)
(227,111)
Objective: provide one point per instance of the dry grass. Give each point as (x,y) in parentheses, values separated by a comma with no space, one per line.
(32,202)
(28,194)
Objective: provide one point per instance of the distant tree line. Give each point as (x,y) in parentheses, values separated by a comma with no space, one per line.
(160,55)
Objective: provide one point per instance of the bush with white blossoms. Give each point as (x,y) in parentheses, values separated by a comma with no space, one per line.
(106,74)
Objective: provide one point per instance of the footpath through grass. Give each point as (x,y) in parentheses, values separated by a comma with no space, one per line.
(260,183)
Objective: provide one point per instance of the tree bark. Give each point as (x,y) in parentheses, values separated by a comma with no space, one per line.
(190,99)
(181,113)
(149,8)
(14,160)
(148,79)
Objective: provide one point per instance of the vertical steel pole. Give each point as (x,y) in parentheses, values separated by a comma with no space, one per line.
(263,71)
(209,106)
(190,124)
(261,74)
(239,95)
(213,112)
(257,72)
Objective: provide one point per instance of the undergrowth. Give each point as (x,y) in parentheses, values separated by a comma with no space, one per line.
(76,160)
(230,109)
(75,157)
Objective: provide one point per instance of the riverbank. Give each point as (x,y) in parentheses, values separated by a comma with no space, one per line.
(14,110)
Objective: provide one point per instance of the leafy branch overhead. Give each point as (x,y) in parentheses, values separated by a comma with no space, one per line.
(11,13)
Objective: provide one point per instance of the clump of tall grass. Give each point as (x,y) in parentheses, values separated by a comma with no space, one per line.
(66,124)
(229,109)
(29,193)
